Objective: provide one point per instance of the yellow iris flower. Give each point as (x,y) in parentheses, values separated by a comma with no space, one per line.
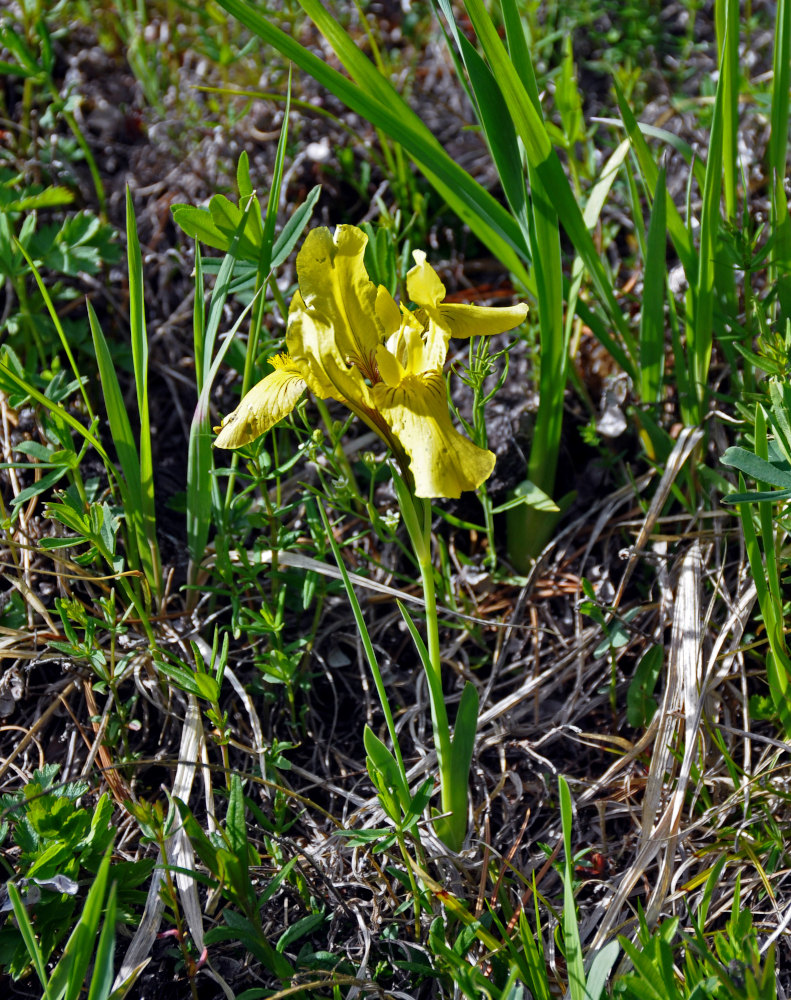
(348,340)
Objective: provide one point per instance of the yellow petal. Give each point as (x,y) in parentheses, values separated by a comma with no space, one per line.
(387,311)
(273,398)
(480,321)
(444,320)
(309,341)
(390,368)
(340,297)
(443,462)
(423,284)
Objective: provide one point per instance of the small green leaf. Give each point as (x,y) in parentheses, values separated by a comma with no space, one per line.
(640,704)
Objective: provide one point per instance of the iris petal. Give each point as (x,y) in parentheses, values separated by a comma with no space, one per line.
(339,296)
(443,462)
(480,321)
(271,399)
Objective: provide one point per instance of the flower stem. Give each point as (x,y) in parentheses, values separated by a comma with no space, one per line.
(416,513)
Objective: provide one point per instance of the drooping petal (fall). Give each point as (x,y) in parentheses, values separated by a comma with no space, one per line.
(442,461)
(271,399)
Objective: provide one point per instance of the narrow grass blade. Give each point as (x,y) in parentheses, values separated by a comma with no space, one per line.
(710,220)
(780,258)
(29,390)
(439,715)
(374,98)
(652,318)
(571,935)
(123,438)
(203,493)
(137,327)
(53,314)
(650,173)
(591,214)
(540,155)
(267,242)
(727,22)
(781,88)
(28,934)
(68,975)
(102,978)
(367,645)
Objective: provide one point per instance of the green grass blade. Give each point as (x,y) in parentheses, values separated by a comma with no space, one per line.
(53,314)
(780,260)
(102,978)
(56,409)
(652,319)
(199,325)
(202,501)
(365,639)
(137,328)
(28,934)
(372,97)
(766,514)
(571,935)
(727,22)
(781,87)
(710,221)
(650,173)
(544,162)
(593,208)
(274,191)
(203,494)
(439,716)
(68,975)
(123,438)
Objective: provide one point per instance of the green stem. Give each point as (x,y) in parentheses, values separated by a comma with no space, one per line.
(96,177)
(368,647)
(337,449)
(415,510)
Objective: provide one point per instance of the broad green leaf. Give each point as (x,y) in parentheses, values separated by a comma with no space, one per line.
(599,971)
(305,925)
(464,733)
(235,823)
(640,704)
(756,468)
(384,762)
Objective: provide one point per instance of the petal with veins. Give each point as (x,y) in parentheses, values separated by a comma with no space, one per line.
(442,461)
(271,399)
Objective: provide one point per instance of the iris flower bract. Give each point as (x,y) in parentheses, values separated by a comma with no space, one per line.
(348,340)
